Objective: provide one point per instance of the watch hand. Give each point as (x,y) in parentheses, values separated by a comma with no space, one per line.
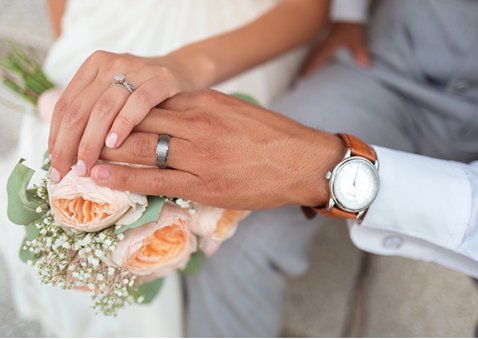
(355,180)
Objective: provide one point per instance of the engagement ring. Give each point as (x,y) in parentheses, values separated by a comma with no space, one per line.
(120,80)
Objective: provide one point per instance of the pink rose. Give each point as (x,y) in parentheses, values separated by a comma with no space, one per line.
(214,226)
(159,248)
(79,203)
(46,103)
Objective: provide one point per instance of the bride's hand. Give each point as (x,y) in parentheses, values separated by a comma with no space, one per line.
(91,112)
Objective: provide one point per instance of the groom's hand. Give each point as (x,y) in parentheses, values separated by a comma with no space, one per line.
(225,152)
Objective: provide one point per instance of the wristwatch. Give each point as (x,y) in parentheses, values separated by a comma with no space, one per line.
(353,184)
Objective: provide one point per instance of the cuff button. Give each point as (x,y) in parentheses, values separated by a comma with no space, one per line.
(393,242)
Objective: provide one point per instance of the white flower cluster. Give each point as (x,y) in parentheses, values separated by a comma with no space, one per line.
(42,193)
(179,202)
(79,260)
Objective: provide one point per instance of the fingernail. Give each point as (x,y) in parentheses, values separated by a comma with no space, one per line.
(49,156)
(111,140)
(101,173)
(55,175)
(81,167)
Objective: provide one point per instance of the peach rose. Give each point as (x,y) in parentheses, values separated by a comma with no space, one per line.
(214,226)
(157,249)
(79,203)
(46,103)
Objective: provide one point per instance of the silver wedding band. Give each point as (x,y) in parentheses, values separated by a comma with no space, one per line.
(162,151)
(120,80)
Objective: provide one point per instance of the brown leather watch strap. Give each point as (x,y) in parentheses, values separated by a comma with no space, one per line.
(336,213)
(358,147)
(311,213)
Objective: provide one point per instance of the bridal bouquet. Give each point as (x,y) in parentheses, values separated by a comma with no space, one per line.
(117,246)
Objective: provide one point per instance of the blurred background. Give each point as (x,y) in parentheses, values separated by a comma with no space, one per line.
(345,293)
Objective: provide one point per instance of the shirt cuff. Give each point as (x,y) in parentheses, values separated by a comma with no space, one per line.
(349,10)
(421,197)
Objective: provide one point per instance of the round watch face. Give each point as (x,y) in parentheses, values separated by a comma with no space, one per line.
(355,184)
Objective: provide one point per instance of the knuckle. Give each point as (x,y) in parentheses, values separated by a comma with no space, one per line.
(209,96)
(60,106)
(57,156)
(202,122)
(103,107)
(144,145)
(217,185)
(203,97)
(85,148)
(125,121)
(142,98)
(203,151)
(164,72)
(158,183)
(140,64)
(118,63)
(73,115)
(124,178)
(97,56)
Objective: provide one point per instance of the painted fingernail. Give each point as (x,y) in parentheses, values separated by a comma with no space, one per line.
(55,175)
(101,173)
(81,167)
(111,140)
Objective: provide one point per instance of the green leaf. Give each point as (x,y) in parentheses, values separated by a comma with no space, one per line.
(32,231)
(151,214)
(195,264)
(22,202)
(246,97)
(148,291)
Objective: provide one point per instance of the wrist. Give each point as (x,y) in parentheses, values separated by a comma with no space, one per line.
(325,152)
(197,71)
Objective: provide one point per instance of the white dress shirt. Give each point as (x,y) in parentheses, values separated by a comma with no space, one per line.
(426,209)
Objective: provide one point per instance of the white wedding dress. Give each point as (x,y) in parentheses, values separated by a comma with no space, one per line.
(147,28)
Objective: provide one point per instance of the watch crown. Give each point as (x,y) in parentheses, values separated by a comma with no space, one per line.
(328,175)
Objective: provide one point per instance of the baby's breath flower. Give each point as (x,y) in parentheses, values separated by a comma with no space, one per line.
(183,203)
(69,258)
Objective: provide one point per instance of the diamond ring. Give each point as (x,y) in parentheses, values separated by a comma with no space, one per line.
(120,80)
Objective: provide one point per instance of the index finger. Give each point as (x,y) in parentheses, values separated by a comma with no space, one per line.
(85,75)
